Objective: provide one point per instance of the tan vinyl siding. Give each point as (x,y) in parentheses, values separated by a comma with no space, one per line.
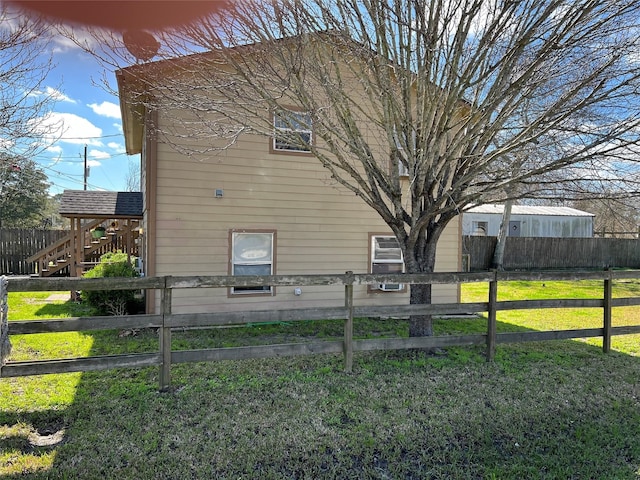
(321,227)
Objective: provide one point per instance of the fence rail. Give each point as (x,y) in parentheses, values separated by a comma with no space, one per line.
(166,320)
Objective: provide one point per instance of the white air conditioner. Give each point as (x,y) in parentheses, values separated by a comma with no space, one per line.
(390,287)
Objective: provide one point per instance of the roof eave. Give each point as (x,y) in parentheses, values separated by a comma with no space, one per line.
(101,216)
(132,115)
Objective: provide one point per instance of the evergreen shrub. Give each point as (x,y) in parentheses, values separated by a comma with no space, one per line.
(113,302)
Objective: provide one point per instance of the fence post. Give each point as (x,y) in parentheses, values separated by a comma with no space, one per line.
(606,331)
(492,332)
(165,340)
(348,324)
(5,344)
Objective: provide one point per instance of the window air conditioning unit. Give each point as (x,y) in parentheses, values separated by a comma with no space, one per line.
(390,287)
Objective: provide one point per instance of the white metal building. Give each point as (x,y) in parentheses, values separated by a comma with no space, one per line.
(528,221)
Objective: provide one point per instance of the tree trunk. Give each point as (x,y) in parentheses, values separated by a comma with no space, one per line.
(498,254)
(425,262)
(420,325)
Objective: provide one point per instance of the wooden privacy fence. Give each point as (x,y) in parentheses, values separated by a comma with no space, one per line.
(17,244)
(541,253)
(166,320)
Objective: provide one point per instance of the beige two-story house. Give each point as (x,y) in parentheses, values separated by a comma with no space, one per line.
(261,205)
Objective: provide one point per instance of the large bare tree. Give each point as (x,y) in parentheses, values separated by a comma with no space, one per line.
(456,93)
(25,62)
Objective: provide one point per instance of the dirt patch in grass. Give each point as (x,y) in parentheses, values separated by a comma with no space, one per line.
(58,297)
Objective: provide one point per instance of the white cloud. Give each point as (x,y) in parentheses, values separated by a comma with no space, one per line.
(7,144)
(98,154)
(58,95)
(116,146)
(53,93)
(69,128)
(54,149)
(62,42)
(93,163)
(106,109)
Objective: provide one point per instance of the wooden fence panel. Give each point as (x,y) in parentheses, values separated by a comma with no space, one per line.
(85,364)
(541,253)
(17,244)
(166,320)
(480,251)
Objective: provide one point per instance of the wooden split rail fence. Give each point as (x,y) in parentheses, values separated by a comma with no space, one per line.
(166,320)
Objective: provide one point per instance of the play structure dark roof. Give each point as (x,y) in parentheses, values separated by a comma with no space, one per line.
(97,204)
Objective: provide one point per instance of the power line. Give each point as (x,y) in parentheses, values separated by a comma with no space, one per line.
(89,138)
(54,176)
(51,176)
(74,158)
(69,178)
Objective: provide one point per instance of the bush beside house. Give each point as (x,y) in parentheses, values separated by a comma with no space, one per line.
(113,302)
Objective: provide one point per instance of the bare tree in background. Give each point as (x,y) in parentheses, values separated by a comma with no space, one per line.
(442,88)
(24,65)
(617,218)
(132,178)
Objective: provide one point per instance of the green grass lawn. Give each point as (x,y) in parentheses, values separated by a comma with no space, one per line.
(564,319)
(551,410)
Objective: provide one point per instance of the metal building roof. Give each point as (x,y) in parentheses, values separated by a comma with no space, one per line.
(531,210)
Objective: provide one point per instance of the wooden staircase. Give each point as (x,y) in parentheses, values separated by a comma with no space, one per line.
(57,259)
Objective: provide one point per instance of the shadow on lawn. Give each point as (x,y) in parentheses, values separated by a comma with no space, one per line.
(56,310)
(541,410)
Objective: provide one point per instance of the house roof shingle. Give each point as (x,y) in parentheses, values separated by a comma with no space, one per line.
(95,204)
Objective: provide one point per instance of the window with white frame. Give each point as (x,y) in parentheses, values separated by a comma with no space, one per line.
(252,254)
(386,257)
(293,131)
(403,170)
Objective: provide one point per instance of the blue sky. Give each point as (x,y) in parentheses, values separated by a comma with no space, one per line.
(87,114)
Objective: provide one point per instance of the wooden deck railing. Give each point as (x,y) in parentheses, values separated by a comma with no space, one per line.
(59,255)
(166,320)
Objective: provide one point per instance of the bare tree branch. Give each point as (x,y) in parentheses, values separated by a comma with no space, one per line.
(477,100)
(24,101)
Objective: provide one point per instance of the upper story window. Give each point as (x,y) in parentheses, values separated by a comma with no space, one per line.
(252,253)
(293,131)
(403,170)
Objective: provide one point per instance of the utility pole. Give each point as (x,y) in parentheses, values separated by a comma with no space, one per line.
(85,166)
